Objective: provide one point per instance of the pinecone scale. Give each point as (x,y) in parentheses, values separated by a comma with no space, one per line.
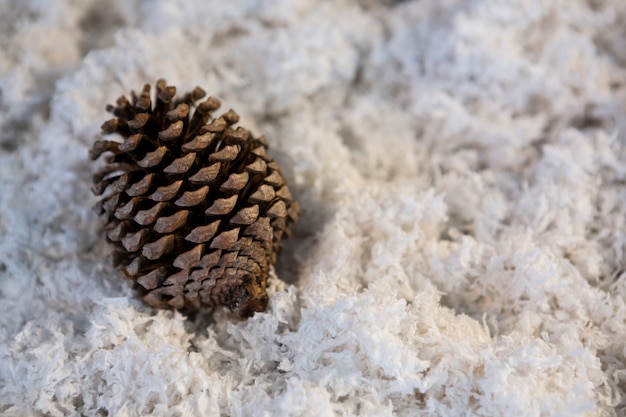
(194,206)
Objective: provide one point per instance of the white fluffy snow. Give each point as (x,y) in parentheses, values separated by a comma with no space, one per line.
(461,166)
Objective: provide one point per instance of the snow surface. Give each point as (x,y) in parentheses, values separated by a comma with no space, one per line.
(461,166)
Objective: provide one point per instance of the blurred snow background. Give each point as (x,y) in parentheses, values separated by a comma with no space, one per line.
(461,166)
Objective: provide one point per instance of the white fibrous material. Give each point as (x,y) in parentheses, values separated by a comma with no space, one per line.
(461,168)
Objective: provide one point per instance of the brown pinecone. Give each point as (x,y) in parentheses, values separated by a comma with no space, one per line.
(195,208)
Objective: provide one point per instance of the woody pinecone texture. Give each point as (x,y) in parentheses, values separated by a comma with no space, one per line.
(195,207)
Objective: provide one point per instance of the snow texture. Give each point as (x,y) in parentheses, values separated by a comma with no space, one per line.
(461,166)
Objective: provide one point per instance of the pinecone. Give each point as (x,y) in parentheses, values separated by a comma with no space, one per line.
(195,207)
